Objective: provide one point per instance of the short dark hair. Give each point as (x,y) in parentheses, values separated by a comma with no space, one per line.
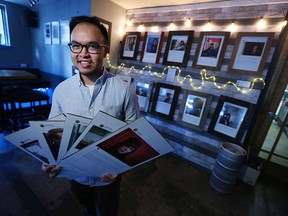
(133,141)
(92,20)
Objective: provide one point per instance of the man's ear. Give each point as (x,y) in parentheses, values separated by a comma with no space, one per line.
(107,50)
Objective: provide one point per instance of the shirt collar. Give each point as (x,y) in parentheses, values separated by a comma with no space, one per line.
(101,79)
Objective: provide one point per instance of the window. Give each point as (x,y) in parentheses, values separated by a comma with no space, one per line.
(4,33)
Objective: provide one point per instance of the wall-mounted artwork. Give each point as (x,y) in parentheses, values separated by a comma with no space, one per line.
(165,100)
(130,45)
(47,33)
(178,48)
(144,90)
(194,109)
(210,50)
(250,52)
(231,118)
(108,26)
(55,33)
(152,45)
(64,32)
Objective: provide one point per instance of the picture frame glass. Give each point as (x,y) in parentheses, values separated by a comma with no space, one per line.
(143,91)
(65,32)
(129,47)
(55,32)
(152,47)
(164,100)
(177,48)
(47,33)
(230,119)
(249,53)
(210,50)
(193,110)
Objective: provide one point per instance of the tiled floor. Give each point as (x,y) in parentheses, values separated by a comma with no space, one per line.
(167,186)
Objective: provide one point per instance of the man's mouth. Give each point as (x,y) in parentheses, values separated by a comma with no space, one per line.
(85,63)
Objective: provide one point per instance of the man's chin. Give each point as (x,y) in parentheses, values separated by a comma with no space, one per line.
(86,70)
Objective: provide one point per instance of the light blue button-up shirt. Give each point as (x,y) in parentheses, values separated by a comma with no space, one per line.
(111,95)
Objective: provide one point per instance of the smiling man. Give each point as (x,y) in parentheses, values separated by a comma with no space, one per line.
(85,94)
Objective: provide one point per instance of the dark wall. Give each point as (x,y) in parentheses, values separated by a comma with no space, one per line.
(20,21)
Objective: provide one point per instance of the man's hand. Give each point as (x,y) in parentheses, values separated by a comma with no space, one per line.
(52,170)
(106,177)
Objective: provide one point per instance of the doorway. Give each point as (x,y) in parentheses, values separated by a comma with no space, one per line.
(275,145)
(268,140)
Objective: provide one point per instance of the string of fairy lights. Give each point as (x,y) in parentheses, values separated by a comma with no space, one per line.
(182,79)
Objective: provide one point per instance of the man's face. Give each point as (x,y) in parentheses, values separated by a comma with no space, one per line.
(87,63)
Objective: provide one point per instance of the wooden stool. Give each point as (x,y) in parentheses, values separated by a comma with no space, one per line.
(33,98)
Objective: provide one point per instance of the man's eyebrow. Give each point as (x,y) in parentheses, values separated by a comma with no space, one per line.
(91,42)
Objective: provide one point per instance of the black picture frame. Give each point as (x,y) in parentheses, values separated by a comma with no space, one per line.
(178,48)
(231,118)
(247,60)
(210,50)
(130,44)
(165,100)
(194,109)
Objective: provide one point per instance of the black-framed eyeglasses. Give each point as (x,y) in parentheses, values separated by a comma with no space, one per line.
(92,48)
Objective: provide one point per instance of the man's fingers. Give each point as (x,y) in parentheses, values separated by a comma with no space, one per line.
(108,177)
(48,168)
(52,170)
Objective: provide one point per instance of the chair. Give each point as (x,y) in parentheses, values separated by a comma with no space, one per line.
(23,103)
(6,113)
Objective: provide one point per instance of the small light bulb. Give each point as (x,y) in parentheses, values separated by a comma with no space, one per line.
(188,22)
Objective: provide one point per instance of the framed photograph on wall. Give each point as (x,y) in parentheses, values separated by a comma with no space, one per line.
(250,52)
(55,33)
(144,90)
(64,32)
(194,109)
(165,100)
(47,33)
(108,26)
(231,118)
(210,50)
(178,48)
(152,45)
(130,45)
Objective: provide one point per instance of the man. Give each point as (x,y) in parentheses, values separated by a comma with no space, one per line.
(93,89)
(211,51)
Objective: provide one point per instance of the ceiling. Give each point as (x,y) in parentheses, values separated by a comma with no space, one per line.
(133,4)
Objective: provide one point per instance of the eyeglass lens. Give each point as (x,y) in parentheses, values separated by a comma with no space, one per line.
(92,48)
